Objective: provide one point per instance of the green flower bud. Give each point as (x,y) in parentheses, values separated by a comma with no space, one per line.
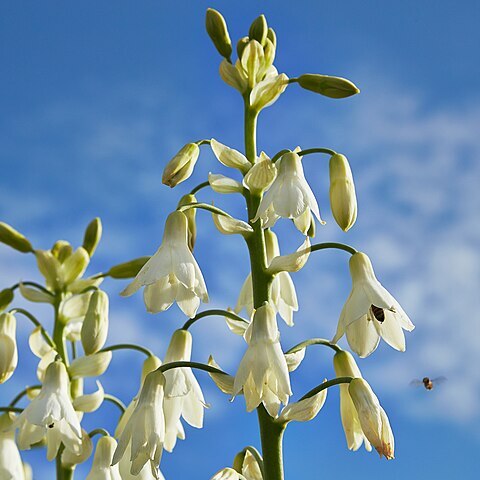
(343,200)
(333,87)
(253,59)
(62,250)
(259,29)
(95,325)
(191,215)
(49,267)
(75,265)
(11,237)
(241,44)
(272,37)
(6,297)
(92,236)
(180,167)
(128,269)
(218,32)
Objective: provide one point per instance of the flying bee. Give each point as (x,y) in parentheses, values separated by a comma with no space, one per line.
(427,382)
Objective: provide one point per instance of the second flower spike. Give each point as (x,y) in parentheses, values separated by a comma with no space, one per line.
(172,274)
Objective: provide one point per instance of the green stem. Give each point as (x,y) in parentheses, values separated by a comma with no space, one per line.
(127,346)
(324,385)
(23,393)
(32,284)
(36,322)
(116,401)
(196,189)
(271,434)
(204,206)
(207,313)
(63,473)
(98,431)
(338,246)
(314,341)
(184,364)
(11,409)
(58,328)
(309,151)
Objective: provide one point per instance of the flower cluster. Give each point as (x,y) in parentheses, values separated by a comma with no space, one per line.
(170,398)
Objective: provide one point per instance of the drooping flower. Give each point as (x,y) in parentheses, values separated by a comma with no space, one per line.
(8,346)
(345,366)
(289,195)
(183,395)
(372,417)
(144,474)
(145,430)
(343,200)
(263,372)
(370,312)
(172,274)
(102,468)
(51,413)
(11,467)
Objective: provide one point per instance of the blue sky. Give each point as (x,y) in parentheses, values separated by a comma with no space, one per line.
(97,96)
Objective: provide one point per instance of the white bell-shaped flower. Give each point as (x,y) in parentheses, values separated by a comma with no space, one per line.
(11,467)
(289,195)
(8,346)
(183,395)
(282,290)
(372,417)
(144,474)
(145,430)
(172,274)
(345,366)
(102,468)
(51,413)
(263,372)
(228,474)
(370,312)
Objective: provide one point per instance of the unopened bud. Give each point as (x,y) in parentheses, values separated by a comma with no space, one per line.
(128,269)
(241,44)
(95,325)
(259,30)
(343,200)
(13,238)
(49,267)
(218,32)
(230,225)
(223,184)
(8,346)
(6,297)
(93,234)
(271,35)
(233,75)
(333,87)
(191,214)
(267,91)
(229,156)
(90,366)
(75,265)
(252,60)
(180,167)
